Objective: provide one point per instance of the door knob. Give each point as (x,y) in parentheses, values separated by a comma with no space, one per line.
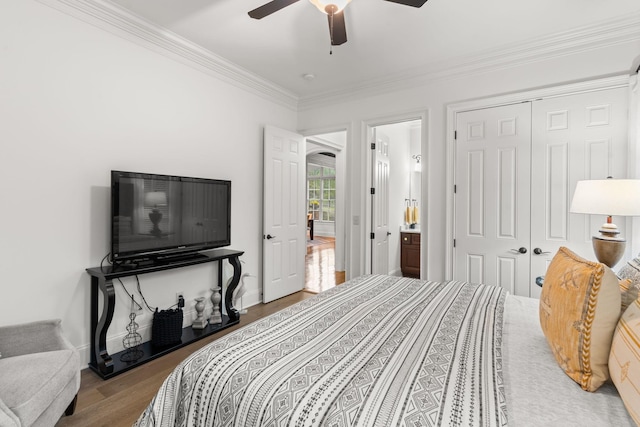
(540,281)
(388,233)
(269,237)
(522,250)
(539,251)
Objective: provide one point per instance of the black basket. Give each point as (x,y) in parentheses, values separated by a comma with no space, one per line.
(167,327)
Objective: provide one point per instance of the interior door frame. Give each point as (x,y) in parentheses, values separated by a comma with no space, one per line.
(524,96)
(367,132)
(343,207)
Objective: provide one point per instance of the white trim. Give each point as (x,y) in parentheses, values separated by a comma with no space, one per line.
(331,146)
(367,125)
(114,340)
(119,21)
(595,36)
(634,155)
(531,95)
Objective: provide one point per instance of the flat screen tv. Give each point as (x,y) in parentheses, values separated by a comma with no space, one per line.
(162,216)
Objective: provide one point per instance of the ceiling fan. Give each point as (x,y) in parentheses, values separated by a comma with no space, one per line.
(333,8)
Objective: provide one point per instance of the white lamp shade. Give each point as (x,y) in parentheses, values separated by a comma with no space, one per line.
(607,197)
(155,198)
(322,4)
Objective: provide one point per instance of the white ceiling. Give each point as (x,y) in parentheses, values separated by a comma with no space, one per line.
(385,40)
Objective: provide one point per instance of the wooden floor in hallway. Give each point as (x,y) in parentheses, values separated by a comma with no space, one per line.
(320,270)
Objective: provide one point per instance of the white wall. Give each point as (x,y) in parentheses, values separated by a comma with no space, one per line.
(416,176)
(433,97)
(76,102)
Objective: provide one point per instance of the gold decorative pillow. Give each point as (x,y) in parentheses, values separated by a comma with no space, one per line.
(624,360)
(579,310)
(628,292)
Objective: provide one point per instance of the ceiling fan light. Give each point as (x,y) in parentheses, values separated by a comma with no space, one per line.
(322,4)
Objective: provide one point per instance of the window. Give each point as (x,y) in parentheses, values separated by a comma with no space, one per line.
(321,192)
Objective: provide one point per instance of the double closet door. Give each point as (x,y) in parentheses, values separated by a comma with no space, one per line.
(516,168)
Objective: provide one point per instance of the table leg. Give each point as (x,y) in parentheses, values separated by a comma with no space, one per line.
(100,355)
(232,312)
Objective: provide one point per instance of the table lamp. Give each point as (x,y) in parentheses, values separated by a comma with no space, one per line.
(607,197)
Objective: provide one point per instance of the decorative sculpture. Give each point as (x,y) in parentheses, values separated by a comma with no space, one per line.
(200,322)
(133,339)
(216,316)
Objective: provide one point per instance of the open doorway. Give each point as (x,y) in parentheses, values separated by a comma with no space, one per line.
(324,260)
(395,203)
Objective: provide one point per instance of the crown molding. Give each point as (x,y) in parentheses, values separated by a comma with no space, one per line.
(328,145)
(602,34)
(117,20)
(121,22)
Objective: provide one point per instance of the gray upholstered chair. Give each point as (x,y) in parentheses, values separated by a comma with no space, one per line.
(39,374)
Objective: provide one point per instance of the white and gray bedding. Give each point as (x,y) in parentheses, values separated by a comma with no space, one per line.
(382,351)
(539,393)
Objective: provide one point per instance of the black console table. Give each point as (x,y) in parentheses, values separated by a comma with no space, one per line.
(107,365)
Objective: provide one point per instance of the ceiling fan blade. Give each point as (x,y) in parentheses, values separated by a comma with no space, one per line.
(337,28)
(269,8)
(414,3)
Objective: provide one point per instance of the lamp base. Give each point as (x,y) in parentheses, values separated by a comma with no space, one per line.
(155,216)
(608,250)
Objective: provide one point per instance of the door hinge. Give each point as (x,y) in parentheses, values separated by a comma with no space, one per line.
(373,145)
(373,190)
(454,243)
(455,135)
(455,189)
(372,236)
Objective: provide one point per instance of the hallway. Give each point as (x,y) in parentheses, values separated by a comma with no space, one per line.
(320,272)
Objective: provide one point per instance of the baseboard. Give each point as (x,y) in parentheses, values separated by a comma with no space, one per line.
(114,340)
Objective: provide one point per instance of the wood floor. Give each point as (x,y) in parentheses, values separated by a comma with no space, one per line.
(120,400)
(320,268)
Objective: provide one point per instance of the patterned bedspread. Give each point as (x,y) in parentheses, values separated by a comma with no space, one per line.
(375,351)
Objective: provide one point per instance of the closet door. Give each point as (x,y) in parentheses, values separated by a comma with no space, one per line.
(492,226)
(575,137)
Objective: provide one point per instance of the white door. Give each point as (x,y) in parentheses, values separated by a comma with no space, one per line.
(284,219)
(582,136)
(380,205)
(573,137)
(492,196)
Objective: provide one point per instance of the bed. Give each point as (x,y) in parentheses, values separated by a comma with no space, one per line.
(382,351)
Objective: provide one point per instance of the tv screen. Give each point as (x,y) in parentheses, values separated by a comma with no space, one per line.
(153,216)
